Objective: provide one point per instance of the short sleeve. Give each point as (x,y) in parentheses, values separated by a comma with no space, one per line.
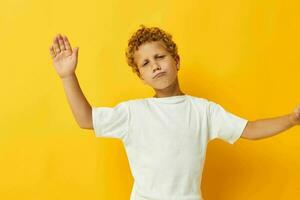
(223,124)
(111,122)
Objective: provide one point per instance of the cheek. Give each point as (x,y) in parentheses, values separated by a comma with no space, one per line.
(146,75)
(171,67)
(169,63)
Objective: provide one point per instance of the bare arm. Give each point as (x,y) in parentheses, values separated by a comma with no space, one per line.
(80,107)
(65,62)
(263,128)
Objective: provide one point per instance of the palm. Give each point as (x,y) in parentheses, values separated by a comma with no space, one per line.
(64,57)
(65,63)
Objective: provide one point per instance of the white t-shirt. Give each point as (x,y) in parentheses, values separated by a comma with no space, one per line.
(165,140)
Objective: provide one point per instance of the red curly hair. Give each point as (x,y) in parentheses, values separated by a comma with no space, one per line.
(148,34)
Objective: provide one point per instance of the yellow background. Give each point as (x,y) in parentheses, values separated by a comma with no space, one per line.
(243,55)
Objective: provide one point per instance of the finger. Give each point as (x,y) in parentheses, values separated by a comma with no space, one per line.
(61,43)
(56,45)
(67,43)
(52,52)
(76,51)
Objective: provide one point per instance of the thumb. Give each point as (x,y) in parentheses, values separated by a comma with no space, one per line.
(75,50)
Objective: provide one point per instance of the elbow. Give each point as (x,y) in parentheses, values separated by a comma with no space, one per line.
(82,127)
(88,125)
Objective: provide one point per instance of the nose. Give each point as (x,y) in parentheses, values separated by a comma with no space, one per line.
(156,67)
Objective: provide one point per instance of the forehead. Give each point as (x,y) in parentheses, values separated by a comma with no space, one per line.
(149,49)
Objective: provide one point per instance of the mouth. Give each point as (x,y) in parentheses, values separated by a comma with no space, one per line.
(159,75)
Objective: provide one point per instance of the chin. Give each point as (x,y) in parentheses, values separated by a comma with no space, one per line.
(162,84)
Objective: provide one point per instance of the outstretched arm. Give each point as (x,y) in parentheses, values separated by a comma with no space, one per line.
(263,128)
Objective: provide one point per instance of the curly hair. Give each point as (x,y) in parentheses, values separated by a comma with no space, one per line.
(148,34)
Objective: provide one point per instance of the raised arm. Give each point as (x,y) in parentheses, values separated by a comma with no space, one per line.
(65,61)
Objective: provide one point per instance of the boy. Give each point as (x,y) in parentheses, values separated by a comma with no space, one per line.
(165,136)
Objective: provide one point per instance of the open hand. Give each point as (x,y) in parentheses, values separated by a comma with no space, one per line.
(63,56)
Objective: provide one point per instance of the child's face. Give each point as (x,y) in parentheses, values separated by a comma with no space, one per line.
(151,59)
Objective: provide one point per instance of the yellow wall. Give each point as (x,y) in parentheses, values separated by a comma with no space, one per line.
(241,54)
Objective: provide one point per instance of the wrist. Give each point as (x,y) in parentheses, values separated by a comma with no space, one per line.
(292,119)
(68,77)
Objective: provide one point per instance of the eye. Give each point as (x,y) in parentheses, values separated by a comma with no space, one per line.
(156,57)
